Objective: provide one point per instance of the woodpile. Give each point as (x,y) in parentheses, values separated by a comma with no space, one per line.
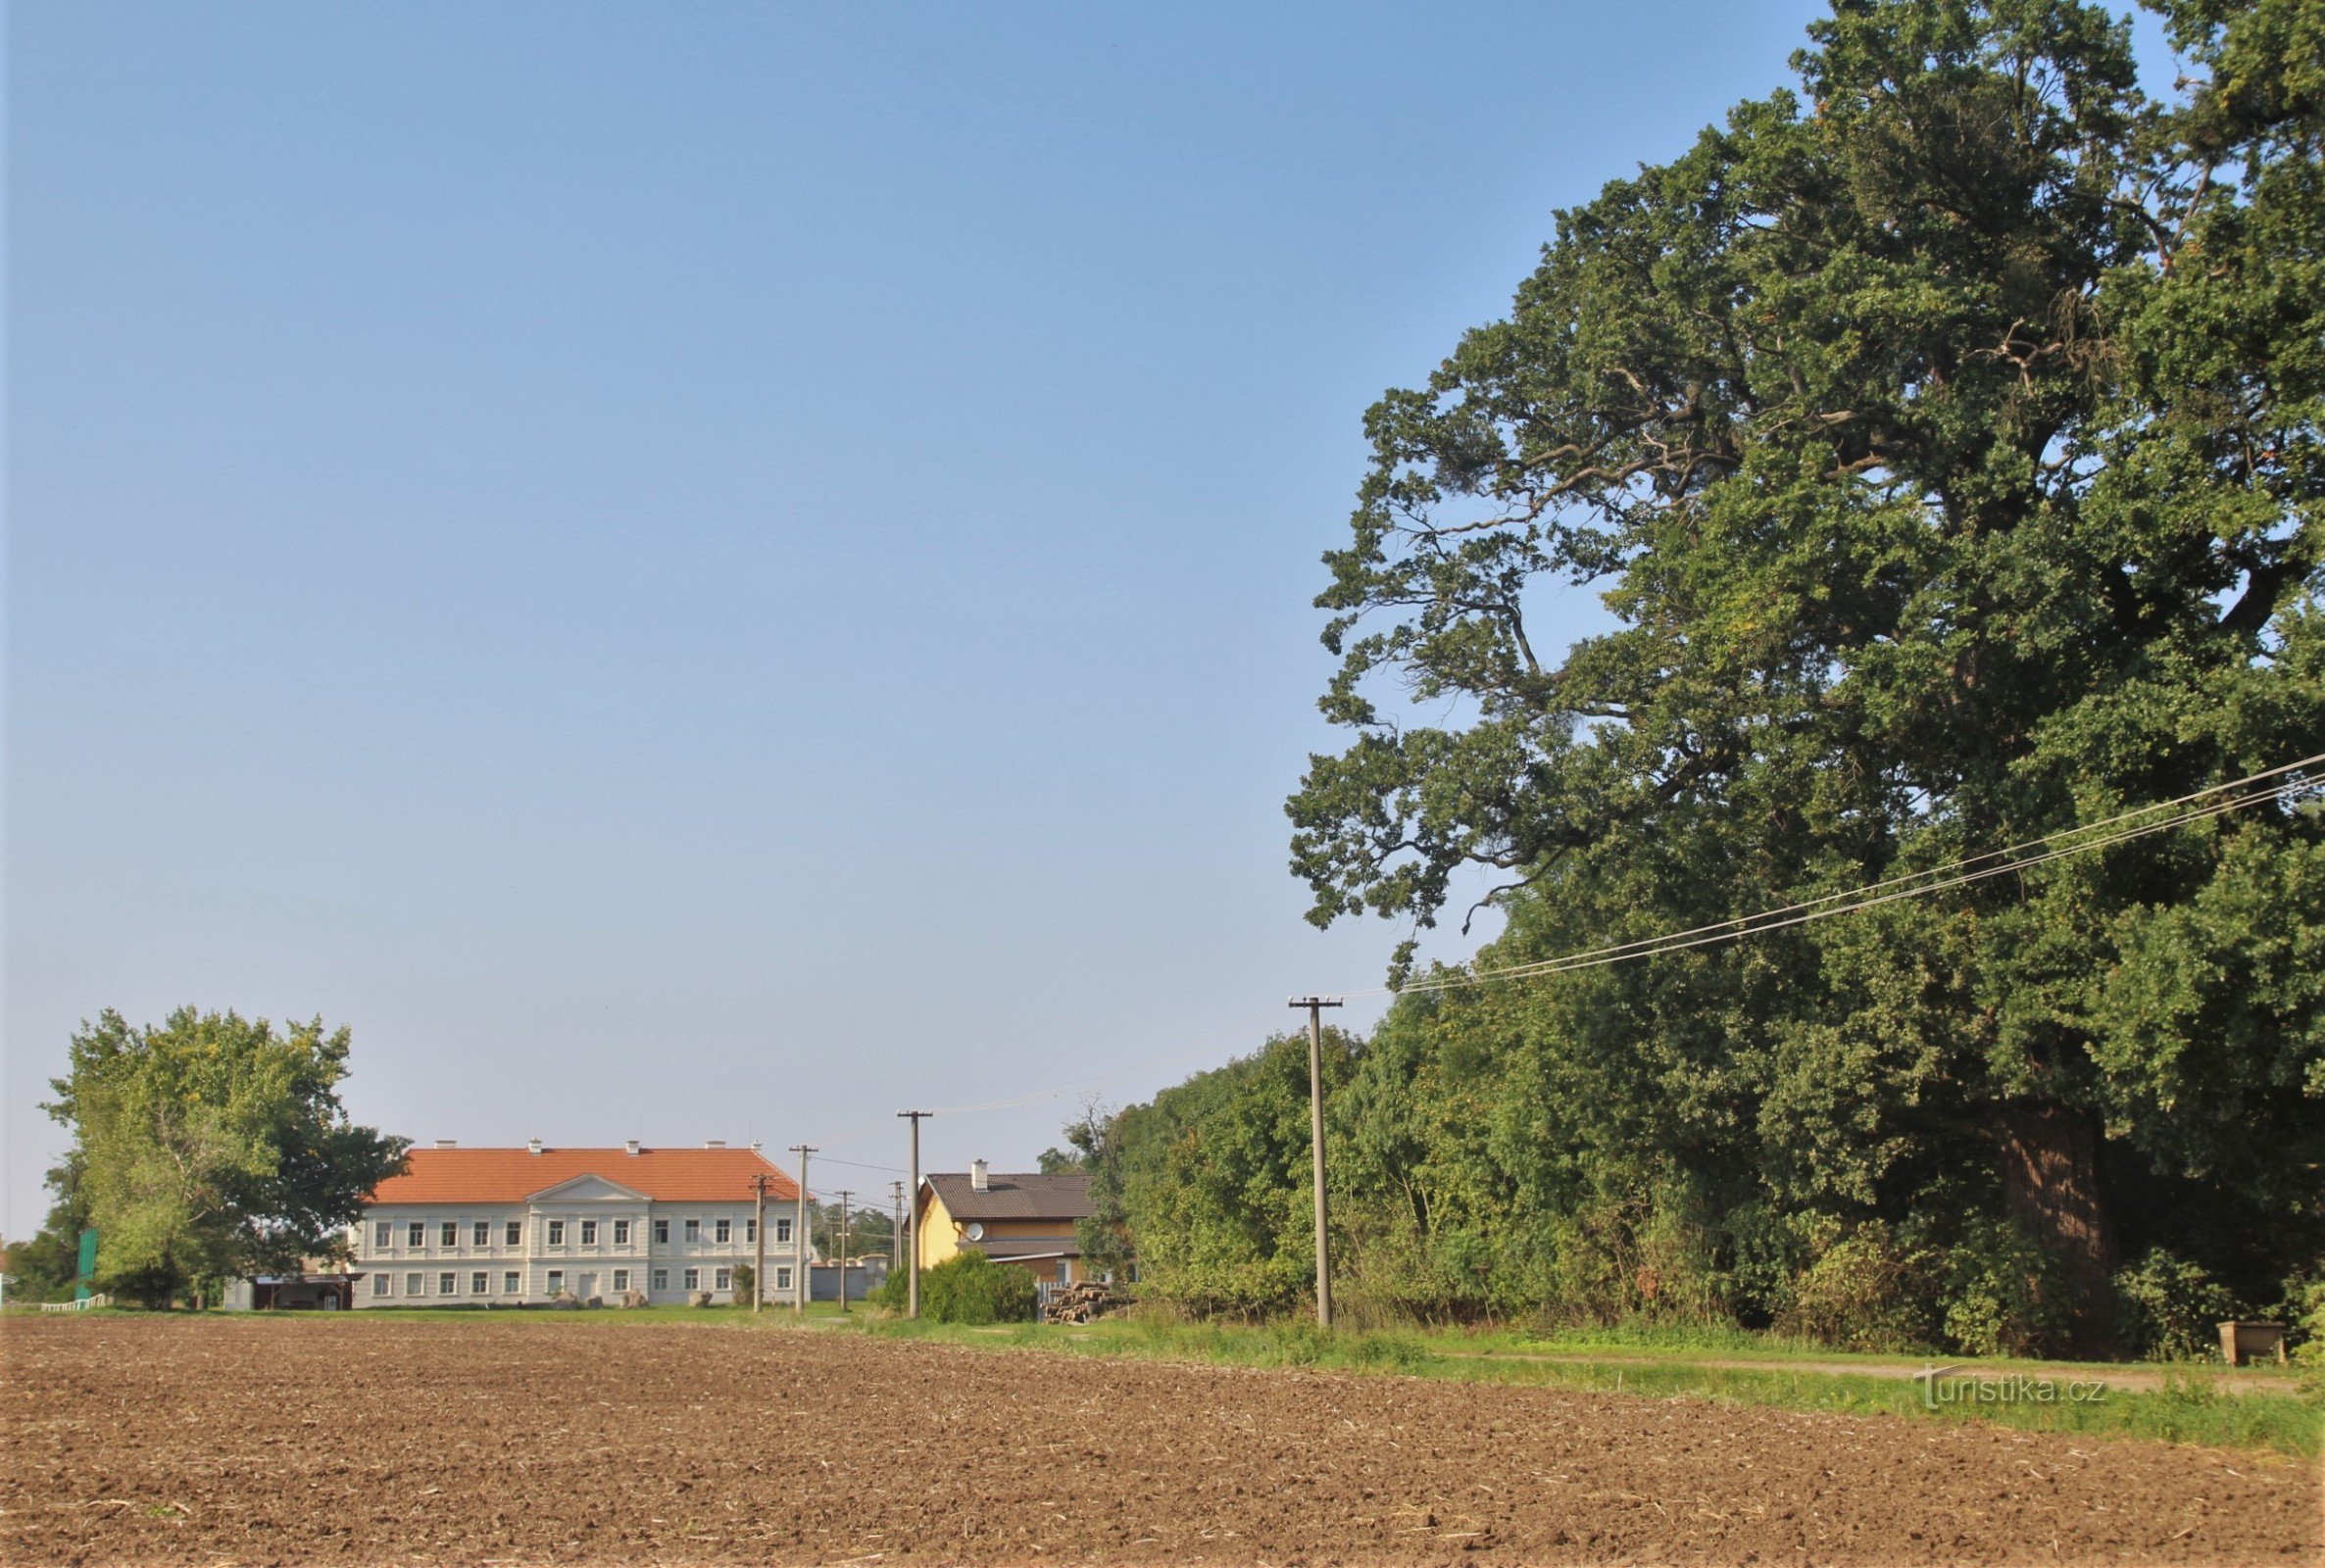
(1081,1302)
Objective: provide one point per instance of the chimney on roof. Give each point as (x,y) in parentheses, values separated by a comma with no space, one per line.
(980,1178)
(631,1146)
(532,1145)
(714,1142)
(447,1143)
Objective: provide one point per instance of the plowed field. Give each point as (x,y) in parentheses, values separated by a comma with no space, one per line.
(586,1439)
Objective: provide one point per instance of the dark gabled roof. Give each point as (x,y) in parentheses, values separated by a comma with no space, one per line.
(1027,1196)
(1025,1248)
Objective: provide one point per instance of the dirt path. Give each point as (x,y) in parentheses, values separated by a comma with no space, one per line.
(2128,1380)
(563,1440)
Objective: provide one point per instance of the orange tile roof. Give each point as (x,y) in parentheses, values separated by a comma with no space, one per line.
(513,1175)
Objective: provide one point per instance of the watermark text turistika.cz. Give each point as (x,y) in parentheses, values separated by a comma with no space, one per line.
(1943,1385)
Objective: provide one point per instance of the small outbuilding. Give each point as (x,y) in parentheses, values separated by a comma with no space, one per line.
(321,1292)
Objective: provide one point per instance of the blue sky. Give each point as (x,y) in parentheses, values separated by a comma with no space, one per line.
(715,571)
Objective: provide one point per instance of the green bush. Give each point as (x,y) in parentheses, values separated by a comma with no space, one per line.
(2304,1315)
(2305,1308)
(2001,1296)
(2171,1309)
(1866,1293)
(966,1287)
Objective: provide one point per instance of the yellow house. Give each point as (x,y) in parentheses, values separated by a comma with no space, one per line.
(1023,1220)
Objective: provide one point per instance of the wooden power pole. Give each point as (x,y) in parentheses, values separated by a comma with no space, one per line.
(843,1194)
(913,1280)
(1315,1007)
(799,1234)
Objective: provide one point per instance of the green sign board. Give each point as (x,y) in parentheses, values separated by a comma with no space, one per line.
(89,1265)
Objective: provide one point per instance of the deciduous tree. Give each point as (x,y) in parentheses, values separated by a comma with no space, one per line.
(1944,438)
(214,1145)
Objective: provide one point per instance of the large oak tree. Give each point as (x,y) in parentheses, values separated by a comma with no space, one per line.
(1946,439)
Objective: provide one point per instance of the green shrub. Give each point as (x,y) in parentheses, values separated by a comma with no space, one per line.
(1864,1292)
(970,1288)
(2304,1317)
(2171,1309)
(2001,1295)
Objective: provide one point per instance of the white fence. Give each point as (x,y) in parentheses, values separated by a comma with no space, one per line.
(82,1305)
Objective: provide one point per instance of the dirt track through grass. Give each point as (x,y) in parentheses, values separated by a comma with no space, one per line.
(563,1440)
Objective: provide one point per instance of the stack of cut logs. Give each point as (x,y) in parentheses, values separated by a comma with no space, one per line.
(1081,1302)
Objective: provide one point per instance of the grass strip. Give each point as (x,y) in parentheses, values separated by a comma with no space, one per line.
(2186,1410)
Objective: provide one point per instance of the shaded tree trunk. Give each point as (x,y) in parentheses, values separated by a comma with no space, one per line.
(2050,1187)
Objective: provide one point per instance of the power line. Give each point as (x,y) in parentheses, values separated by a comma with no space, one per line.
(1935,879)
(1975,860)
(1088,1084)
(2217,800)
(857,1164)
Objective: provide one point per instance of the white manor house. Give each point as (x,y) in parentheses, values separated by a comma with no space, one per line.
(505,1226)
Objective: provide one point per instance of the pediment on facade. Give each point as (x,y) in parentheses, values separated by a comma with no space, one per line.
(587,1190)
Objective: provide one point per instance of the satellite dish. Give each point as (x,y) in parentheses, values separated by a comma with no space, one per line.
(976,1230)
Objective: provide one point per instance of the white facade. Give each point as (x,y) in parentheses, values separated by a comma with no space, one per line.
(588,1236)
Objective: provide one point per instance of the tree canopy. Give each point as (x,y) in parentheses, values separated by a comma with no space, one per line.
(212,1146)
(1943,437)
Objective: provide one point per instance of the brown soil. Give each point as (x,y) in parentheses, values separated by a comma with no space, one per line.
(584,1440)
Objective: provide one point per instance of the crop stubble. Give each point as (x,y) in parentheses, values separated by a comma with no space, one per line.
(582,1440)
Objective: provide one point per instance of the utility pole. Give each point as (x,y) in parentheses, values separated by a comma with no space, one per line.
(843,1194)
(895,1226)
(913,1280)
(799,1234)
(759,1237)
(1315,1007)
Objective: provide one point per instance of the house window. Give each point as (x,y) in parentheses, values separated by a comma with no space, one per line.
(450,1230)
(694,1230)
(508,1283)
(722,1280)
(662,1232)
(783,1229)
(382,1284)
(694,1279)
(750,1230)
(416,1234)
(589,1233)
(513,1233)
(416,1283)
(662,1279)
(557,1232)
(479,1284)
(622,1279)
(383,1235)
(481,1233)
(722,1231)
(782,1279)
(446,1284)
(621,1233)
(557,1280)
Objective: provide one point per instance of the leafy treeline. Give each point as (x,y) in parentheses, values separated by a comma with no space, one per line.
(207,1148)
(1944,438)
